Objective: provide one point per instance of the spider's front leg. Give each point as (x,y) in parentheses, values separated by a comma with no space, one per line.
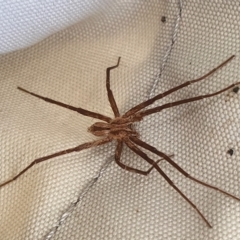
(180,102)
(168,92)
(109,91)
(76,109)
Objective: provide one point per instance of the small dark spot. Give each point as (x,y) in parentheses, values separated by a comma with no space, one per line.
(230,152)
(235,90)
(163,19)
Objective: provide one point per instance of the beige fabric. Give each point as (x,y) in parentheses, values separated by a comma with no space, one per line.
(69,66)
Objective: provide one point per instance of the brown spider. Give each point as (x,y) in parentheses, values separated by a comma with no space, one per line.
(120,129)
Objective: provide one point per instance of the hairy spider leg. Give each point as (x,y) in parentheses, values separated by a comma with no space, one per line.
(66,151)
(130,143)
(149,160)
(175,165)
(117,114)
(173,104)
(79,110)
(161,95)
(130,169)
(133,112)
(109,91)
(125,167)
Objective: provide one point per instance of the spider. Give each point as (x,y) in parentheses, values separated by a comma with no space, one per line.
(120,130)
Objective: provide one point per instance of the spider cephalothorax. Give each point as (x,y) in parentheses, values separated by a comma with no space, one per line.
(120,129)
(114,130)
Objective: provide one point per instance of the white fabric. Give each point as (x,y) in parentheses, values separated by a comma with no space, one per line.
(70,67)
(23,23)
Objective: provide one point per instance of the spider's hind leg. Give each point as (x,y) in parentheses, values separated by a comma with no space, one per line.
(175,165)
(130,169)
(143,155)
(125,167)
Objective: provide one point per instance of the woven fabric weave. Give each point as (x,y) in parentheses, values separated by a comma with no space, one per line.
(70,66)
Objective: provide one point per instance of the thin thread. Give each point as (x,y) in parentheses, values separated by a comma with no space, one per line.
(169,50)
(86,189)
(73,205)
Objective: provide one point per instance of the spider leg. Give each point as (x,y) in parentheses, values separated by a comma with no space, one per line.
(109,91)
(170,161)
(66,151)
(161,95)
(125,167)
(173,104)
(159,160)
(149,160)
(79,110)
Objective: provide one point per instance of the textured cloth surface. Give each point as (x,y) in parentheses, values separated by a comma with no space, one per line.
(70,67)
(23,23)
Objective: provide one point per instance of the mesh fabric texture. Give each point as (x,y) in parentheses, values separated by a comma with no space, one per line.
(70,67)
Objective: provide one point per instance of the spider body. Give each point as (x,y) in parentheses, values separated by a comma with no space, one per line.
(113,131)
(120,129)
